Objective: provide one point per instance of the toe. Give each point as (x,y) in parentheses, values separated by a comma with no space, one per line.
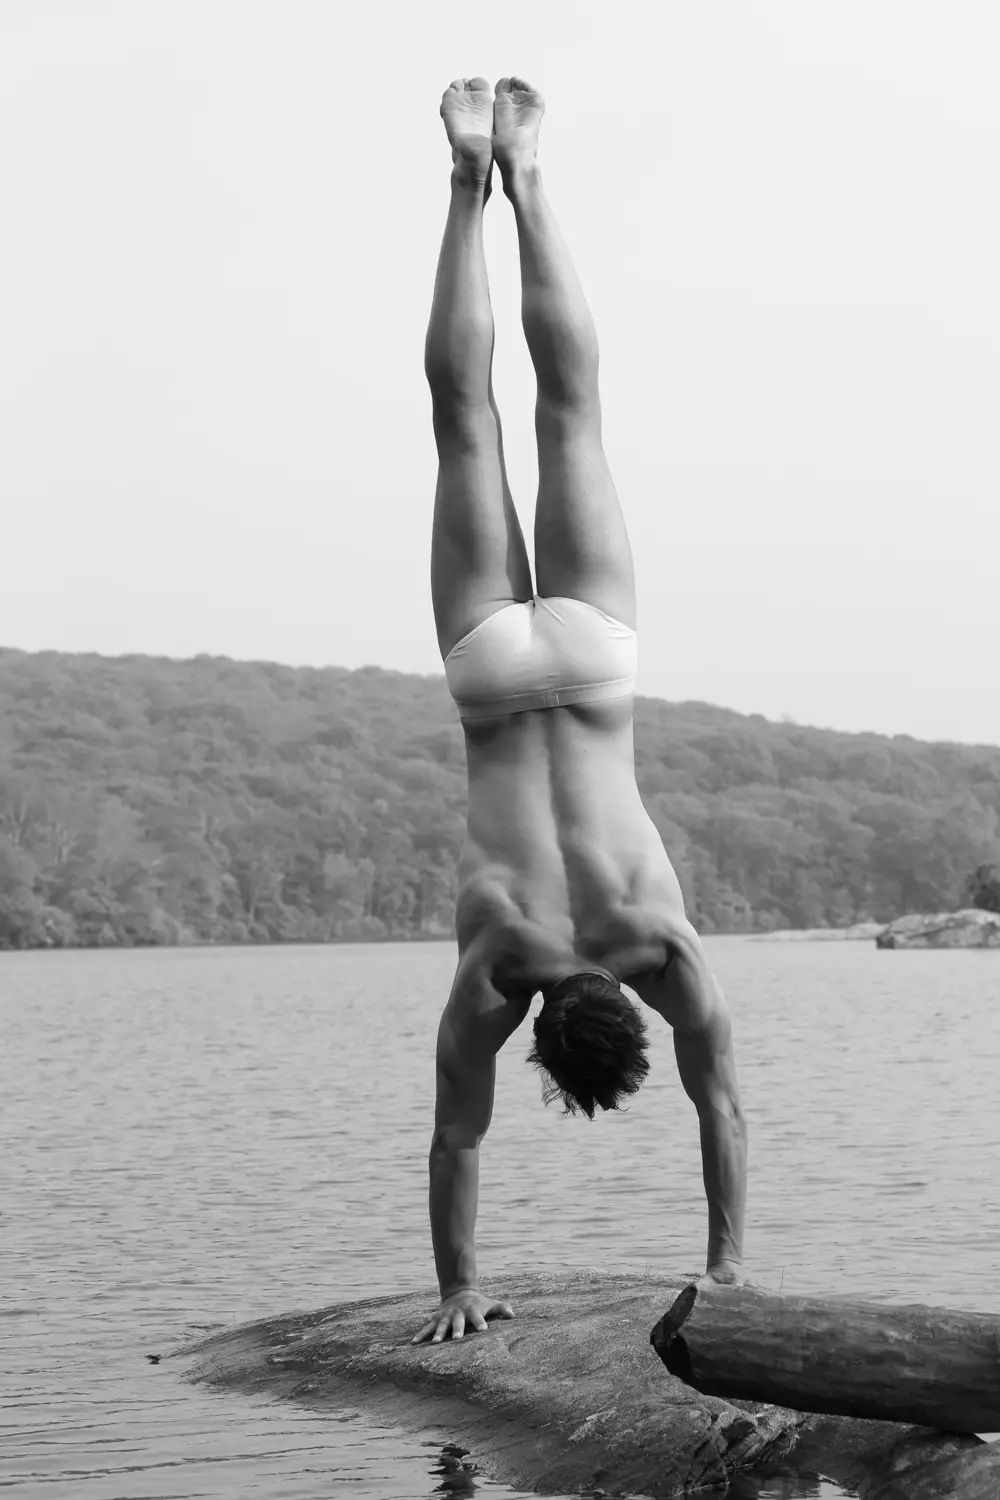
(502,86)
(478,86)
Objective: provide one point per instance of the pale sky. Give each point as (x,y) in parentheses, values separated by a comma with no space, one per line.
(221,221)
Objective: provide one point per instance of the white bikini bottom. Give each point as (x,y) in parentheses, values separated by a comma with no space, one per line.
(542,653)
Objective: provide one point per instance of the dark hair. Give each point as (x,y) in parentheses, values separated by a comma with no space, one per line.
(590,1044)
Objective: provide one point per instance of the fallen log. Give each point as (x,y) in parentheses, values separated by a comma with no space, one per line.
(924,1365)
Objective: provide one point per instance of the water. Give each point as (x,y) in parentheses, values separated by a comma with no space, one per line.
(194,1137)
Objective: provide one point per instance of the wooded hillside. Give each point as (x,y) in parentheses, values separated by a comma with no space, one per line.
(144,800)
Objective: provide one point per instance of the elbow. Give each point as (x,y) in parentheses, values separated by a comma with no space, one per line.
(732,1110)
(724,1108)
(448,1140)
(738,1124)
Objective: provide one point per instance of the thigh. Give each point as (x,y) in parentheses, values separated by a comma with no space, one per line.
(479,562)
(582,548)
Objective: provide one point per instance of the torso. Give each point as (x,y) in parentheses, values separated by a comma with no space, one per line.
(562,865)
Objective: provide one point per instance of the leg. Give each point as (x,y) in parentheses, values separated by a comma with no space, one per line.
(478,558)
(581,544)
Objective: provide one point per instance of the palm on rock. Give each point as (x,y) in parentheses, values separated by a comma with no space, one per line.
(464,1310)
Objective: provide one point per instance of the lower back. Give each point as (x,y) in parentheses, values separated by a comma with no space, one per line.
(557,833)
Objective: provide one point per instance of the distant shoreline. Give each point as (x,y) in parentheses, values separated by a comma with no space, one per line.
(858,932)
(946,930)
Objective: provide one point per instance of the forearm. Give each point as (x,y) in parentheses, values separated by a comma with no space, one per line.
(724,1168)
(454,1198)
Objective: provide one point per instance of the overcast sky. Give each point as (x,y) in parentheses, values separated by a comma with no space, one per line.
(221,221)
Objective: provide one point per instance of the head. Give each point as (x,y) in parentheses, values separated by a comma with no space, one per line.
(590,1044)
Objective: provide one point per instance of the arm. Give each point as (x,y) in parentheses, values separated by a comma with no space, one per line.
(703,1045)
(462,1117)
(476,1023)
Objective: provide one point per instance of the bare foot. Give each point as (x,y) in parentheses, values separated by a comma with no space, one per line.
(467,111)
(517,116)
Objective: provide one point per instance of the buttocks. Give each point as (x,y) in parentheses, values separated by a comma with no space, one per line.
(541,653)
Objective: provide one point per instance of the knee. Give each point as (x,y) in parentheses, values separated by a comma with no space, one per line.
(568,417)
(460,422)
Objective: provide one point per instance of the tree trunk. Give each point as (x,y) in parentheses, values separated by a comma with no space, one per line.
(926,1365)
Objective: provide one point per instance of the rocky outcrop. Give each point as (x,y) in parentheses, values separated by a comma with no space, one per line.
(568,1397)
(970,928)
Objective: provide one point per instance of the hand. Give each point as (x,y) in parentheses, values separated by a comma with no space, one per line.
(723,1273)
(466,1305)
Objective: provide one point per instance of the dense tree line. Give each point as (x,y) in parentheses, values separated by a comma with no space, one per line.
(145,800)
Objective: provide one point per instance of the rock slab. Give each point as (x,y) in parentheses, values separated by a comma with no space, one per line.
(566,1398)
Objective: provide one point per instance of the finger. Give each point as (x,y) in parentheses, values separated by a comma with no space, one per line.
(440,1330)
(458,1325)
(424,1333)
(500,1310)
(478,1322)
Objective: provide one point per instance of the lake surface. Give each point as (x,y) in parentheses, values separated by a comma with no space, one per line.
(195,1137)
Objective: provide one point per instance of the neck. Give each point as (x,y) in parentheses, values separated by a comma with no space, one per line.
(578,974)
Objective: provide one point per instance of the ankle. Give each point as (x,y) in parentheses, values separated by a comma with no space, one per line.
(521,178)
(472,164)
(468,181)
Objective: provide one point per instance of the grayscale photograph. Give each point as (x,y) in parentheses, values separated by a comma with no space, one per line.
(500,750)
